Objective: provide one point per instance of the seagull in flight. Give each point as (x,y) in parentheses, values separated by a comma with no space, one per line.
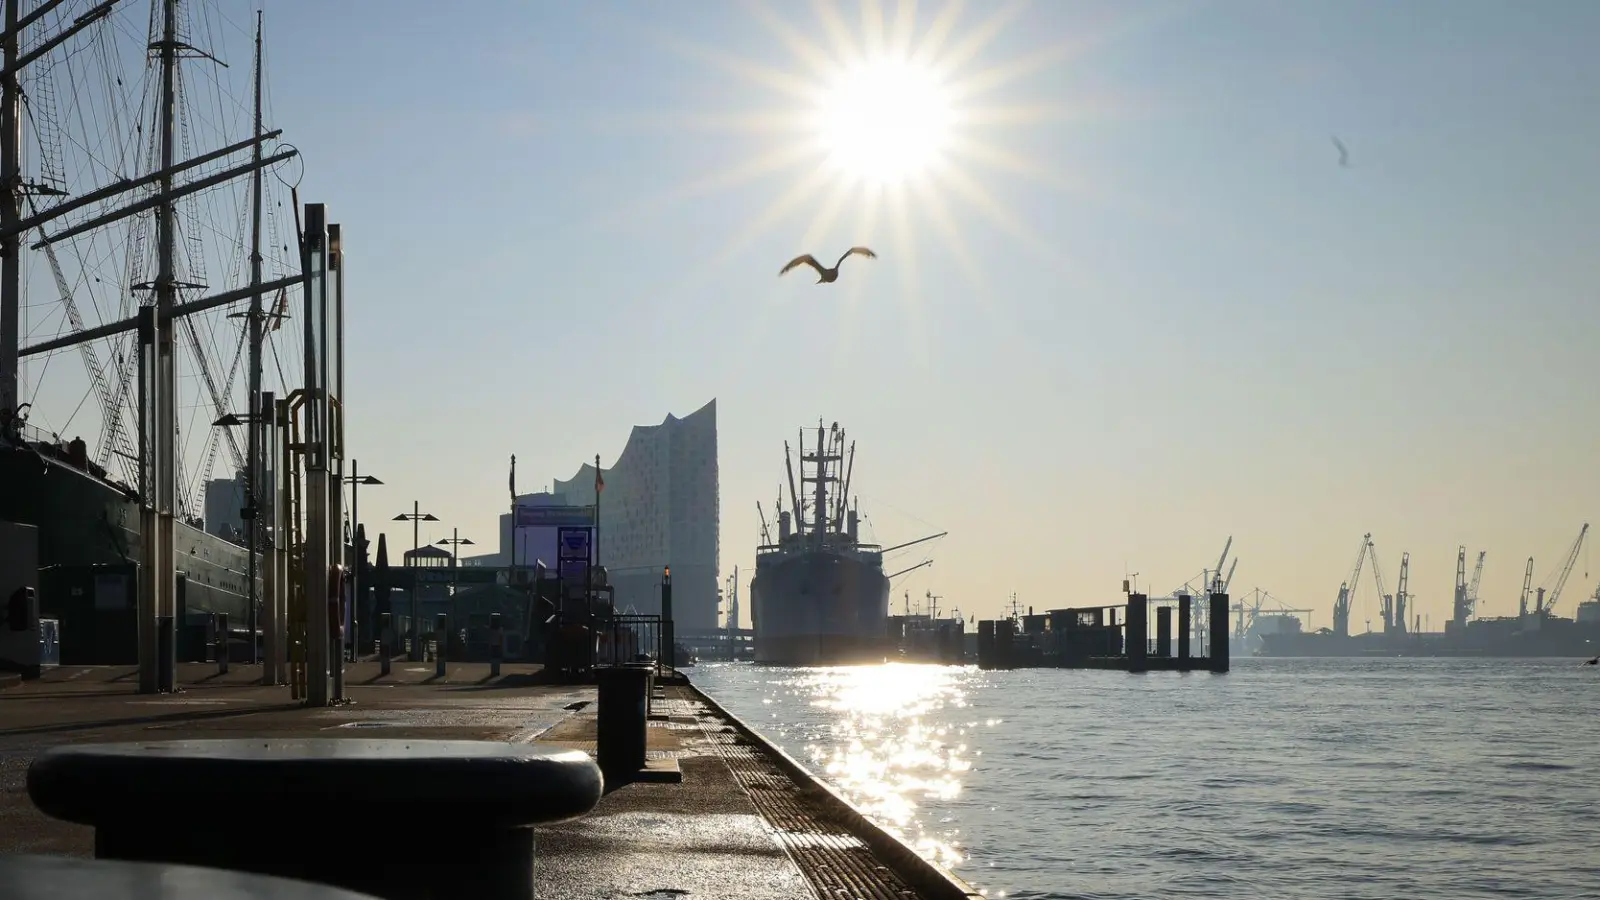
(1344,155)
(826,276)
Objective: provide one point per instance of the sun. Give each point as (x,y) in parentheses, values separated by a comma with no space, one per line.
(884,121)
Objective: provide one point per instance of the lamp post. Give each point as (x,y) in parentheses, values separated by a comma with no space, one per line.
(249,512)
(455,542)
(355,479)
(415,516)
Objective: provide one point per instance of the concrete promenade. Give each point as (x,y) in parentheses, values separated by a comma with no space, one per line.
(741,824)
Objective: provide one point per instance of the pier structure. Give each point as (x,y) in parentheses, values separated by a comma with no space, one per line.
(1108,637)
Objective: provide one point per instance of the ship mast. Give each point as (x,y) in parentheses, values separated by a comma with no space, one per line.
(10,212)
(254,413)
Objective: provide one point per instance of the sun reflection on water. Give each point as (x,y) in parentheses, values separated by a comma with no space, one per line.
(880,752)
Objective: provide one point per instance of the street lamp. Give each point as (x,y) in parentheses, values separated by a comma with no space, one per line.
(355,479)
(248,513)
(454,542)
(414,517)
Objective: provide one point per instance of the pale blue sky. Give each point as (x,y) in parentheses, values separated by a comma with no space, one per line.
(1201,327)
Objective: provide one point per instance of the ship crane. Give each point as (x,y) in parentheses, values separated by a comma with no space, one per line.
(1527,590)
(1477,579)
(1341,606)
(1545,606)
(1386,601)
(1400,595)
(926,562)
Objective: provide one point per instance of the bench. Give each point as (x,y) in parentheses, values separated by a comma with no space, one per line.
(398,819)
(53,878)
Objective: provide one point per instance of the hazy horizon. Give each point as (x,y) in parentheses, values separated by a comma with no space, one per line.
(1135,307)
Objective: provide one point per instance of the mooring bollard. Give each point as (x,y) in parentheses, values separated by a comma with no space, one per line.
(492,795)
(623,720)
(441,631)
(497,638)
(222,643)
(385,644)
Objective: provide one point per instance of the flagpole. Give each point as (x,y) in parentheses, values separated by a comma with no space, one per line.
(599,486)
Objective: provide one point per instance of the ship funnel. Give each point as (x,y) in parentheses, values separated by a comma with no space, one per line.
(783,526)
(851,518)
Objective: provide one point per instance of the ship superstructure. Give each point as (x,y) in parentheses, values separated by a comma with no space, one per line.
(820,595)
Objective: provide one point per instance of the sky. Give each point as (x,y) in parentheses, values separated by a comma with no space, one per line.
(1133,306)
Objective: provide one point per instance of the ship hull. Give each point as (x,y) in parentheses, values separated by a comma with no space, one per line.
(819,608)
(87,526)
(1556,638)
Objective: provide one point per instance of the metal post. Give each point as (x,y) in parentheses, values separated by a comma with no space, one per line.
(318,565)
(669,655)
(355,563)
(385,645)
(222,643)
(497,638)
(441,631)
(1185,612)
(148,602)
(416,602)
(166,401)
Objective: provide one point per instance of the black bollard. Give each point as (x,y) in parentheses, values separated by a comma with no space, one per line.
(497,640)
(385,645)
(222,643)
(441,640)
(166,655)
(623,720)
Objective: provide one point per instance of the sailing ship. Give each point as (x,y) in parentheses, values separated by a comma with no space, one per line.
(118,522)
(820,596)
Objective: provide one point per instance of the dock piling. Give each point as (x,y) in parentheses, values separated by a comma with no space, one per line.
(385,644)
(1137,636)
(1218,620)
(1164,632)
(1185,624)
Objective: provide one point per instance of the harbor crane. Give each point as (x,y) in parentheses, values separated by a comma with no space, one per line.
(1341,606)
(1401,597)
(1477,579)
(1527,590)
(1544,606)
(1385,601)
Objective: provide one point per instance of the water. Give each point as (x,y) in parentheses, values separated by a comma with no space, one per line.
(1413,779)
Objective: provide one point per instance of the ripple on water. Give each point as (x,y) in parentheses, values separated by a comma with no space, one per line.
(1287,779)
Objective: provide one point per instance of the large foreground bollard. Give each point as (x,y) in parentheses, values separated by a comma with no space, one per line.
(624,720)
(477,800)
(55,876)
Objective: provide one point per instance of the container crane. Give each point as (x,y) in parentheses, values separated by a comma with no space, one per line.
(1544,607)
(1341,606)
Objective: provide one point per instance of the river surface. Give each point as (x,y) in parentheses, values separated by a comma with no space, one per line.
(1413,779)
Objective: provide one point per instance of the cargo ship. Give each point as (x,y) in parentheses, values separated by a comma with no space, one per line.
(820,596)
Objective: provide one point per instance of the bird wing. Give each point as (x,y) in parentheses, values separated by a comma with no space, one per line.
(807,260)
(863,251)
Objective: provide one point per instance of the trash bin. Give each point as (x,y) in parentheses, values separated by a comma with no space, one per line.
(623,720)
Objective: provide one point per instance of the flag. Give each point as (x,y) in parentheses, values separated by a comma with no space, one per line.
(513,478)
(599,480)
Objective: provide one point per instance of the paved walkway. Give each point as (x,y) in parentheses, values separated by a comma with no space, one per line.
(735,827)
